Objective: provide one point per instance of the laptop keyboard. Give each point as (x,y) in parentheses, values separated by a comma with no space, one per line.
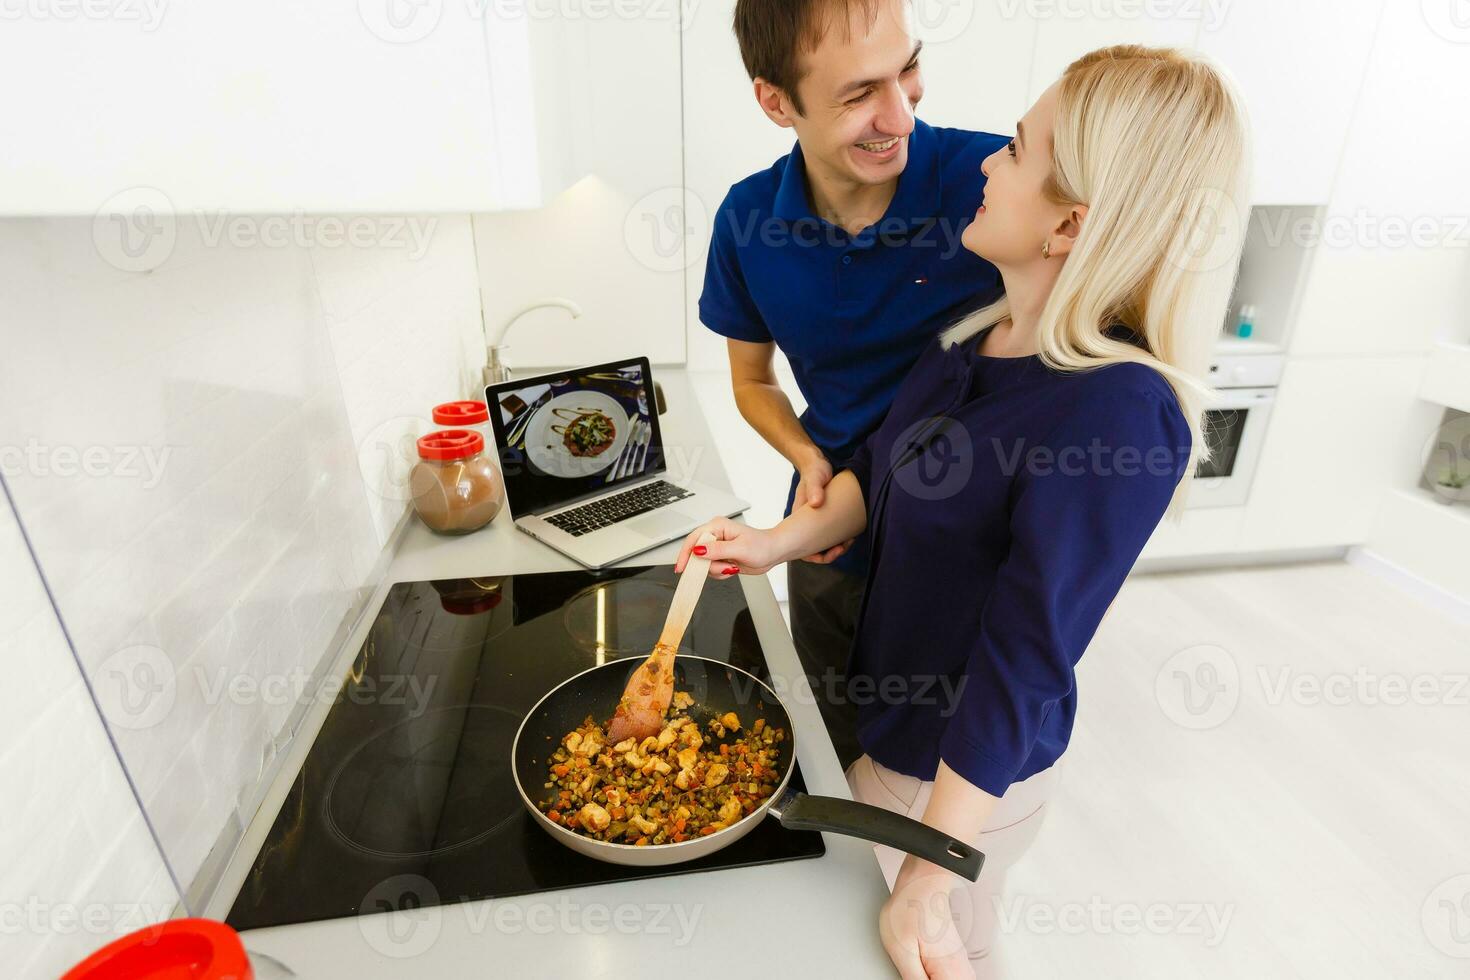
(619,507)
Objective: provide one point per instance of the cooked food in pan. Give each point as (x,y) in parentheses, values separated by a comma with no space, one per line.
(678,784)
(589,434)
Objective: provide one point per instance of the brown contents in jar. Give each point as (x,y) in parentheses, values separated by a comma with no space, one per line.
(455,495)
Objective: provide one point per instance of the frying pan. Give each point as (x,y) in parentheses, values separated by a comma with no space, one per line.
(716,688)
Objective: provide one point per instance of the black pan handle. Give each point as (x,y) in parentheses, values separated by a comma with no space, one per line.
(852,819)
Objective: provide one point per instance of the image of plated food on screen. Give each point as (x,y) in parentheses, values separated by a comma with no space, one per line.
(579,426)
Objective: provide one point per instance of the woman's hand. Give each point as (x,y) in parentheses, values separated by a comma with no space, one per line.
(740,548)
(806,531)
(917,925)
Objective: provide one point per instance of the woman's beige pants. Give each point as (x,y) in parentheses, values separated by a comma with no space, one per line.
(1012,827)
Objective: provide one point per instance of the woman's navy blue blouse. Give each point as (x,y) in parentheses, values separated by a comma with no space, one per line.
(1006,504)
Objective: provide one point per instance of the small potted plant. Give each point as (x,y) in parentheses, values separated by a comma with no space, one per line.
(1453,486)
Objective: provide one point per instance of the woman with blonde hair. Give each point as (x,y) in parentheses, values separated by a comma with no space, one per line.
(1024,464)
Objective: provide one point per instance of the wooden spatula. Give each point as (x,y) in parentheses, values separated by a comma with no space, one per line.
(646,699)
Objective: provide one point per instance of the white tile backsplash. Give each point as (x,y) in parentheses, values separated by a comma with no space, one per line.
(398,350)
(230,515)
(79,865)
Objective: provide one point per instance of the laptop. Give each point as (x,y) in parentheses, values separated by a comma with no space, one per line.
(584,465)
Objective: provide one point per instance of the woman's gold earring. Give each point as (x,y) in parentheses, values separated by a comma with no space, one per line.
(1046,249)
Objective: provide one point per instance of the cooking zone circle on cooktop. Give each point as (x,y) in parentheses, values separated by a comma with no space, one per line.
(621,617)
(427,784)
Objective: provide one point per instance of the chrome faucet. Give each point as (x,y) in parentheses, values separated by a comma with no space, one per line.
(495,369)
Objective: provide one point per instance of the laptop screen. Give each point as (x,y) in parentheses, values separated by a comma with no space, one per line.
(564,437)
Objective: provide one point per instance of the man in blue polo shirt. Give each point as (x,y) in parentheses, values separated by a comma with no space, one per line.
(845,254)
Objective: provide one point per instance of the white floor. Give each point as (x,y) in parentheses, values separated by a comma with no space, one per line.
(1245,798)
(1309,832)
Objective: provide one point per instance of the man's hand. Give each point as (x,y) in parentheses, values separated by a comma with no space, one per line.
(831,554)
(815,473)
(812,489)
(761,402)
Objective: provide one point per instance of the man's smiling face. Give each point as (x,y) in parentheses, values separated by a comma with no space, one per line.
(858,94)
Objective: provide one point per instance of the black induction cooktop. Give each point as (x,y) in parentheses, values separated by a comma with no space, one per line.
(406,798)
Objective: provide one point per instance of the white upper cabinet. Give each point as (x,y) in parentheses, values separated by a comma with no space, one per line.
(1300,66)
(614,241)
(273,105)
(977,64)
(1068,29)
(1392,271)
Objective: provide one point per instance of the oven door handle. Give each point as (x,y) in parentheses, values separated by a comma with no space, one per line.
(1235,399)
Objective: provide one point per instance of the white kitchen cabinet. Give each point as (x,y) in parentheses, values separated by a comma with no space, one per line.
(977,64)
(1206,531)
(1300,66)
(1362,299)
(1343,434)
(271,106)
(1447,377)
(728,139)
(1392,272)
(1340,437)
(1421,535)
(613,241)
(1067,29)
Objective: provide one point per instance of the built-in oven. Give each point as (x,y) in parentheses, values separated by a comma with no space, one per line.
(1235,427)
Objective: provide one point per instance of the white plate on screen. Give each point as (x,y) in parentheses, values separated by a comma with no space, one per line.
(547,449)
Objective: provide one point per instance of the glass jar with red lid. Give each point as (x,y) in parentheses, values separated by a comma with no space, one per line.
(455,485)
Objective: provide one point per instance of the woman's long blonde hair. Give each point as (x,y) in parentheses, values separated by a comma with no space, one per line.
(1154,141)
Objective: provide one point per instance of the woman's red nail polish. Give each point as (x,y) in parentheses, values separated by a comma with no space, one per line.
(730,571)
(700,550)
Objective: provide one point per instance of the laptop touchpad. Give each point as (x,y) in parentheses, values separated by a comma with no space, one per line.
(664,523)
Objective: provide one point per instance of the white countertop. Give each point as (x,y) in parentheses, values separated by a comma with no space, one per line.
(795,918)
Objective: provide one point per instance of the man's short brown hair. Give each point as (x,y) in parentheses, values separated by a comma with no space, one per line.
(774,33)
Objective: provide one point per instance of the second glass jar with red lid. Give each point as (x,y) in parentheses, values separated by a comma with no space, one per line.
(471,415)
